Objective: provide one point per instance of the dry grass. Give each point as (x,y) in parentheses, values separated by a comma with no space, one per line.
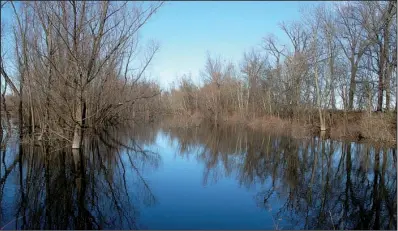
(349,130)
(269,123)
(378,127)
(185,120)
(299,131)
(280,126)
(235,119)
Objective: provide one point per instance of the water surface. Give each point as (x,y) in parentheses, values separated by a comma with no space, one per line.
(198,178)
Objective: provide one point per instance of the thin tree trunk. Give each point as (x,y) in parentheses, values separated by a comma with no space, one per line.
(381,79)
(352,84)
(7,114)
(20,107)
(77,135)
(331,73)
(389,67)
(386,66)
(387,87)
(318,96)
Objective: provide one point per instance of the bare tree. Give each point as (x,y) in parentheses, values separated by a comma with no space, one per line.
(377,18)
(253,67)
(214,78)
(315,28)
(72,58)
(352,39)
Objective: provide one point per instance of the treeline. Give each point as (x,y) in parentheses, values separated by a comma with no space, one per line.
(341,57)
(78,67)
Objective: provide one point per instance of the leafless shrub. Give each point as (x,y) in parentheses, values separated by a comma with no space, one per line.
(376,127)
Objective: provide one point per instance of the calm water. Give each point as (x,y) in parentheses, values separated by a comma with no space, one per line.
(198,178)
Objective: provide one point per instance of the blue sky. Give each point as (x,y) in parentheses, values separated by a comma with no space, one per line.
(186,31)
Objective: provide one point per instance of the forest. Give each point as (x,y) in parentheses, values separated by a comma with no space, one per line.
(338,74)
(79,67)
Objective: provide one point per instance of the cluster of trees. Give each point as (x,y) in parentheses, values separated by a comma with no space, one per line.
(78,65)
(339,57)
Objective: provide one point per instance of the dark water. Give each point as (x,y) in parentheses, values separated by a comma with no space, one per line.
(198,178)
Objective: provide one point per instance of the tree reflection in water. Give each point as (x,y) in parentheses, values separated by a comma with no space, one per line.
(321,184)
(90,189)
(303,184)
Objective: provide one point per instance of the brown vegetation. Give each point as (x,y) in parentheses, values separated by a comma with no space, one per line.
(331,77)
(78,67)
(77,72)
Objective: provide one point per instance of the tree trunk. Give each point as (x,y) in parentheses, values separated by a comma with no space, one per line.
(331,77)
(318,95)
(386,66)
(352,85)
(20,107)
(6,112)
(77,135)
(387,86)
(31,112)
(389,67)
(381,78)
(333,96)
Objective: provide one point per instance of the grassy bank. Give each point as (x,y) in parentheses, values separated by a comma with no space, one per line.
(355,126)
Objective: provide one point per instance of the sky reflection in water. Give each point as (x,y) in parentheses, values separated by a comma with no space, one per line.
(199,178)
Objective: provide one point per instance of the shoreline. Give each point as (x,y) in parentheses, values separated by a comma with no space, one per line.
(378,129)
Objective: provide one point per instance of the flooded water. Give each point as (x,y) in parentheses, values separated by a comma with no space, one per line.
(198,178)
